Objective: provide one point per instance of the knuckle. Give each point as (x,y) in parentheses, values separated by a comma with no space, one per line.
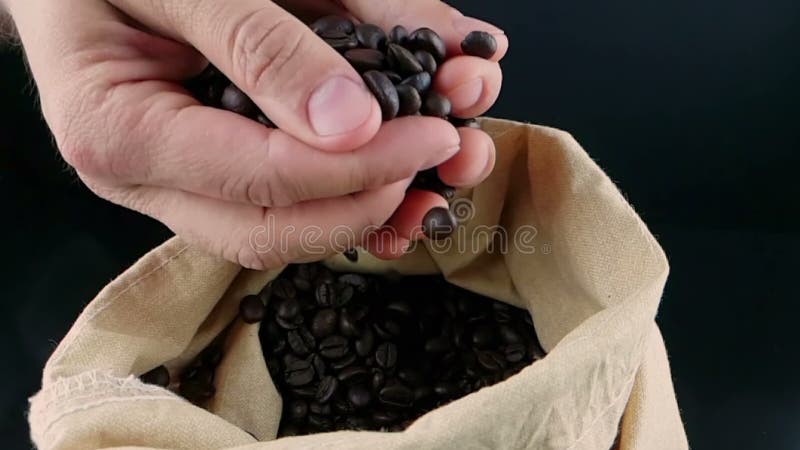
(261,45)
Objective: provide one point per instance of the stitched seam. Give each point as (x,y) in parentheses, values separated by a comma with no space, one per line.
(88,319)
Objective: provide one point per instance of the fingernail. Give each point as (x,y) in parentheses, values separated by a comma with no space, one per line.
(465,25)
(466,95)
(338,106)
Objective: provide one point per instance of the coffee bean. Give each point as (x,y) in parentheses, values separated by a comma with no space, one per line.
(384,91)
(319,422)
(348,325)
(402,61)
(480,44)
(344,361)
(234,100)
(410,100)
(298,409)
(398,35)
(289,324)
(284,289)
(301,341)
(319,366)
(393,77)
(378,379)
(344,296)
(351,255)
(324,323)
(365,59)
(509,335)
(400,307)
(445,389)
(304,277)
(464,123)
(483,337)
(327,387)
(427,61)
(342,406)
(357,423)
(325,294)
(365,343)
(158,376)
(333,347)
(290,430)
(396,395)
(359,396)
(491,360)
(358,281)
(251,309)
(264,120)
(438,223)
(353,375)
(381,331)
(439,344)
(386,355)
(393,327)
(278,346)
(410,376)
(332,24)
(535,351)
(435,105)
(385,417)
(299,373)
(421,82)
(428,40)
(370,36)
(515,352)
(306,392)
(196,391)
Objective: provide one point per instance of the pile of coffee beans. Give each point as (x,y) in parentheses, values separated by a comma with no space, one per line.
(351,351)
(398,67)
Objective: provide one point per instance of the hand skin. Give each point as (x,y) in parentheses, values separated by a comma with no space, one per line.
(109,75)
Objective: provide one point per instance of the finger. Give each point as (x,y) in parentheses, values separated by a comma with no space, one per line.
(301,83)
(471,84)
(407,219)
(256,165)
(385,243)
(310,10)
(447,21)
(473,162)
(266,238)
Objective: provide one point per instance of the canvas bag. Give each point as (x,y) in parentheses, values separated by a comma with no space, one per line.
(592,284)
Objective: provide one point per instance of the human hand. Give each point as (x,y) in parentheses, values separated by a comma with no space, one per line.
(110,86)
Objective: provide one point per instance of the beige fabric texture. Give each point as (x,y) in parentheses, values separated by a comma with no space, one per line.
(592,283)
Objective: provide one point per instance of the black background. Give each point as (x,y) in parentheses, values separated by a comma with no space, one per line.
(691,107)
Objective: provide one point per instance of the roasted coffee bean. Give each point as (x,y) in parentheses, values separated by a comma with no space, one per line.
(439,344)
(264,120)
(421,82)
(342,406)
(396,395)
(378,379)
(158,376)
(320,408)
(365,59)
(325,294)
(288,309)
(385,417)
(289,324)
(251,309)
(400,307)
(334,347)
(343,362)
(480,44)
(428,40)
(196,391)
(445,389)
(381,331)
(299,373)
(515,352)
(483,337)
(359,396)
(320,368)
(332,24)
(344,296)
(427,61)
(370,36)
(358,281)
(491,360)
(386,355)
(357,311)
(305,392)
(509,335)
(435,105)
(354,375)
(234,100)
(393,327)
(301,341)
(298,409)
(351,255)
(410,100)
(357,423)
(321,423)
(304,277)
(410,376)
(464,123)
(393,77)
(398,35)
(348,325)
(324,323)
(438,223)
(284,289)
(422,392)
(384,91)
(278,346)
(402,61)
(365,343)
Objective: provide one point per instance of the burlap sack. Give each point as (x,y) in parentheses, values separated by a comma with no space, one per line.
(592,277)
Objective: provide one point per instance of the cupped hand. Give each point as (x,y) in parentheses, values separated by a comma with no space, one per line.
(109,75)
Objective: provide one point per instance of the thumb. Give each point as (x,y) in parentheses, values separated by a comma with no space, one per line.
(301,83)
